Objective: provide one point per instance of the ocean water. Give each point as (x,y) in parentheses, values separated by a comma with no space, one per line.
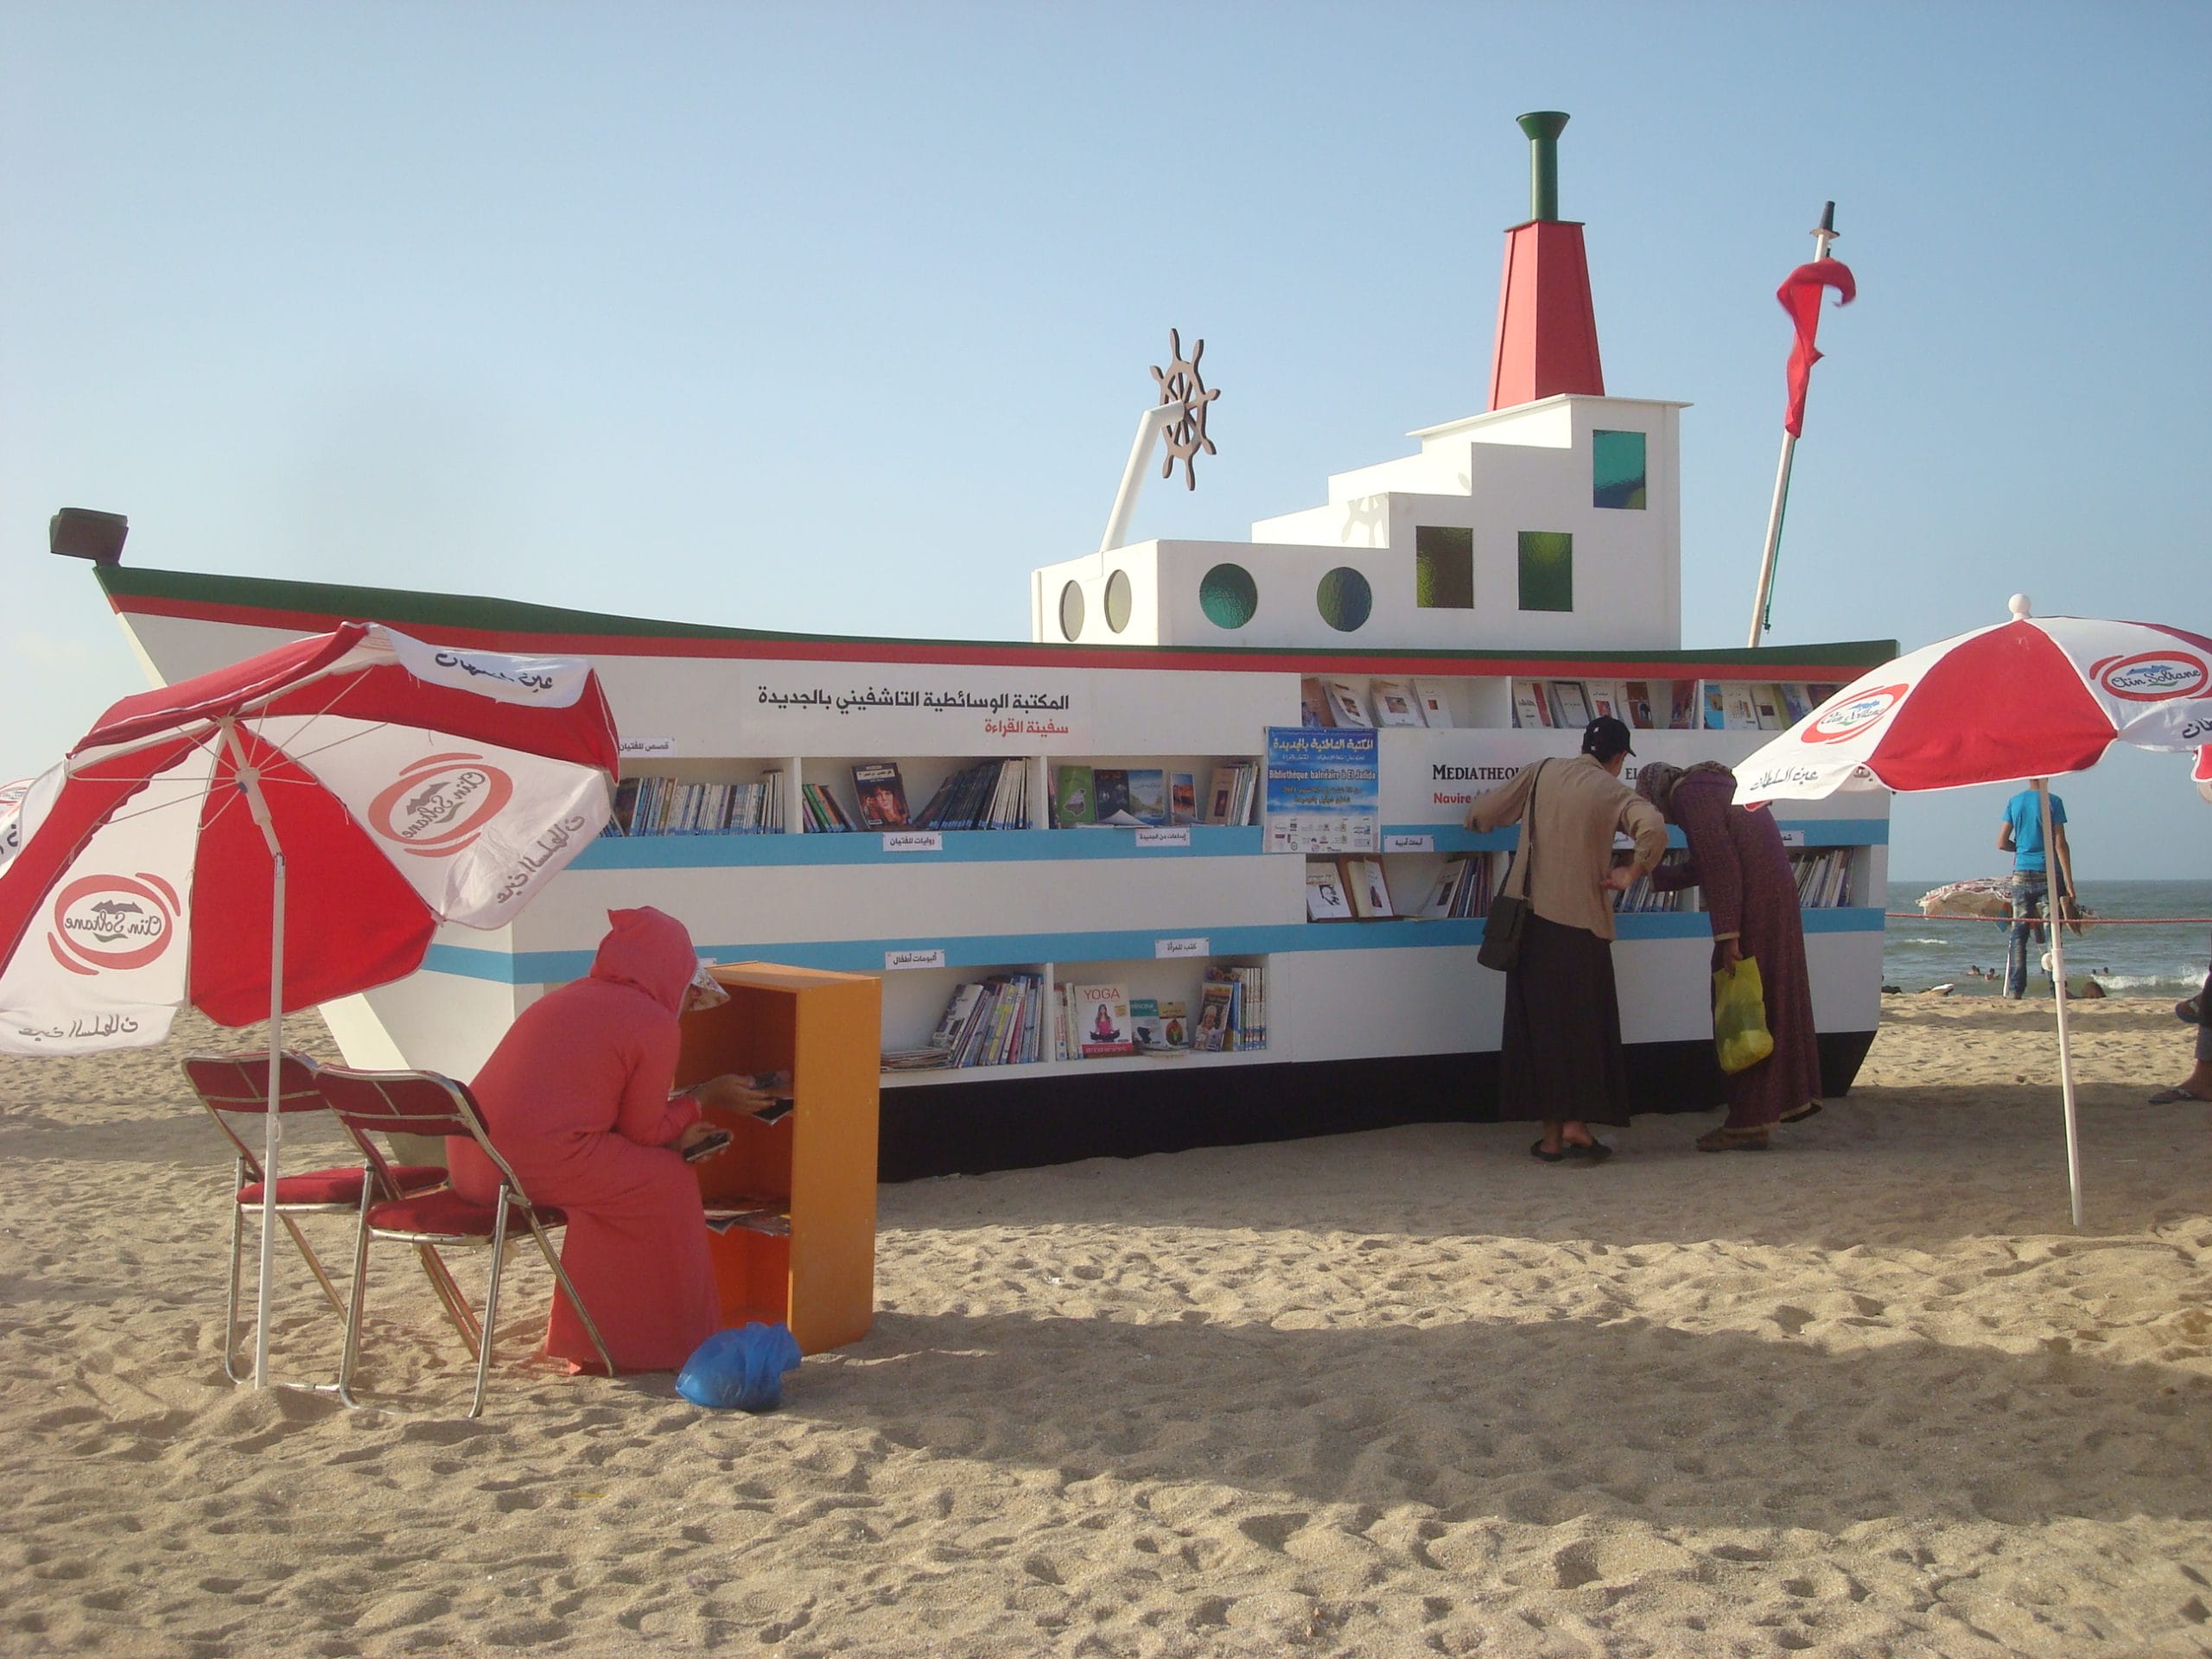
(2165,960)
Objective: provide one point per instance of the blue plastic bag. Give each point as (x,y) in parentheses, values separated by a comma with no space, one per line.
(740,1368)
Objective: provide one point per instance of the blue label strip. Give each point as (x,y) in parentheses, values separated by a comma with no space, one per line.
(1004,950)
(1017,846)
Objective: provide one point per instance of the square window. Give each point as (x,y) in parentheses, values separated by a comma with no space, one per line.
(1617,470)
(1546,570)
(1444,567)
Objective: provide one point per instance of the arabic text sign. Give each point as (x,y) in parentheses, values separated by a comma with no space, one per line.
(1322,791)
(915,709)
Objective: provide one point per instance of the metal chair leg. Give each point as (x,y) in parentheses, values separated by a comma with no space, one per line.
(458,1312)
(353,1308)
(491,1304)
(315,1263)
(561,1275)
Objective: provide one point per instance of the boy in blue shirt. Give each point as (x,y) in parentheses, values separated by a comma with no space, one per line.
(2022,837)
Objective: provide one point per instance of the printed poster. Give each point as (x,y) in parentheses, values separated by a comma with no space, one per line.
(1323,791)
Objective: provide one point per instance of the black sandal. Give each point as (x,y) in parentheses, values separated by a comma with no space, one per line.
(1537,1150)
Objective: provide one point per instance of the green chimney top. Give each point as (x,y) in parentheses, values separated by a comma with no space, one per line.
(1543,128)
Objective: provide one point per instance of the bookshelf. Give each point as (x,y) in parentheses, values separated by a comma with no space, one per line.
(804,1254)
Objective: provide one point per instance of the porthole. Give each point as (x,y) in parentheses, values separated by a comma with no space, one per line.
(1117,600)
(1071,611)
(1345,599)
(1229,596)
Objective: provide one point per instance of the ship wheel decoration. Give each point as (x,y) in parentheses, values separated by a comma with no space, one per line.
(1182,386)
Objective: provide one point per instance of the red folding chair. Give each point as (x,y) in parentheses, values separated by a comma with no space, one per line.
(236,1086)
(423,1103)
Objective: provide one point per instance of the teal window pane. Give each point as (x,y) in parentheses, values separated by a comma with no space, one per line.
(1546,570)
(1229,596)
(1345,599)
(1444,567)
(1616,469)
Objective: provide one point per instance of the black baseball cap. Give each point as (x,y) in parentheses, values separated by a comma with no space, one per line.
(1606,737)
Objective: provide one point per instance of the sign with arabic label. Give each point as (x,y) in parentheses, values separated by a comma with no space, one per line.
(912,708)
(1322,791)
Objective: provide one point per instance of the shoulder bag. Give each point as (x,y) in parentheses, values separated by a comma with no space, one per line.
(1509,912)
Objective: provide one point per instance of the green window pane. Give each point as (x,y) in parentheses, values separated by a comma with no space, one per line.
(1229,596)
(1616,469)
(1546,570)
(1444,567)
(1345,599)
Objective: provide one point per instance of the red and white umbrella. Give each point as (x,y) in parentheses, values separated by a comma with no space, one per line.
(285,831)
(2029,700)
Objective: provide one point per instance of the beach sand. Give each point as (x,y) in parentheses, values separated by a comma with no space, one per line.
(1406,1393)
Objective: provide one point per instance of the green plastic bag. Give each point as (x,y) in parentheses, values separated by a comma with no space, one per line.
(1739,1017)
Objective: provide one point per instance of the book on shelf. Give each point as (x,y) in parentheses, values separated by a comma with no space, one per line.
(1636,694)
(1326,898)
(1175,1024)
(1345,704)
(1313,703)
(882,794)
(1369,892)
(1394,703)
(1741,712)
(1112,792)
(1607,697)
(1715,706)
(1531,707)
(1681,705)
(1820,693)
(1766,703)
(1230,799)
(1100,1017)
(1461,889)
(1074,796)
(1148,794)
(1795,705)
(1435,706)
(1217,1007)
(1145,1028)
(1232,1009)
(1182,798)
(954,1021)
(1570,704)
(626,807)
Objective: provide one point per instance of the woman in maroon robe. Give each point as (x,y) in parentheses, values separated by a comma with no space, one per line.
(1737,856)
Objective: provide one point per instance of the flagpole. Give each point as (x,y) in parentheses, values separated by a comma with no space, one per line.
(1821,238)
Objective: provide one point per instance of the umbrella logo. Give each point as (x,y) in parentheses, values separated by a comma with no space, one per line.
(2152,675)
(439,805)
(112,921)
(1848,719)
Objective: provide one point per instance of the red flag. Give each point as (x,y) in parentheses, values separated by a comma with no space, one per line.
(1800,295)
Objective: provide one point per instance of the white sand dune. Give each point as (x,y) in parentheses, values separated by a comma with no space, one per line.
(1402,1393)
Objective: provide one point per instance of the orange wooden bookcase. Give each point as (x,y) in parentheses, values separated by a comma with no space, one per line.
(814,1169)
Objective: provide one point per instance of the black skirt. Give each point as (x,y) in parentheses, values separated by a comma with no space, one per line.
(1561,1058)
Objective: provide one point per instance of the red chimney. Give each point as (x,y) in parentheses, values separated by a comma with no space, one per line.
(1547,329)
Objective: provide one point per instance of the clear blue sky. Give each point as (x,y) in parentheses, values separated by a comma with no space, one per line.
(836,317)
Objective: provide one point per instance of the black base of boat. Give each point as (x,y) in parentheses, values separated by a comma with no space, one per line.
(962,1129)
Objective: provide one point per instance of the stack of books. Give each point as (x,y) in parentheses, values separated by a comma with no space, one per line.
(660,805)
(996,1020)
(989,795)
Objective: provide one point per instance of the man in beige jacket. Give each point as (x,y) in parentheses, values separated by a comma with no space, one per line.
(1561,1060)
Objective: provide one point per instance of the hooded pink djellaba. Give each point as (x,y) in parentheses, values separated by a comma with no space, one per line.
(576,1098)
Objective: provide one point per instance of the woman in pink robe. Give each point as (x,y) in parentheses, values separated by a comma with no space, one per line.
(1737,857)
(576,1098)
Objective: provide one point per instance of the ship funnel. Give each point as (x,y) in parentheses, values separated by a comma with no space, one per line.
(1543,128)
(1547,339)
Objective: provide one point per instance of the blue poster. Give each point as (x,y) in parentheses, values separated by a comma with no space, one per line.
(1322,791)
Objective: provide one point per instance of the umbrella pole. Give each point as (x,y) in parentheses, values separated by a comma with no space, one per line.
(269,1133)
(249,779)
(2059,982)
